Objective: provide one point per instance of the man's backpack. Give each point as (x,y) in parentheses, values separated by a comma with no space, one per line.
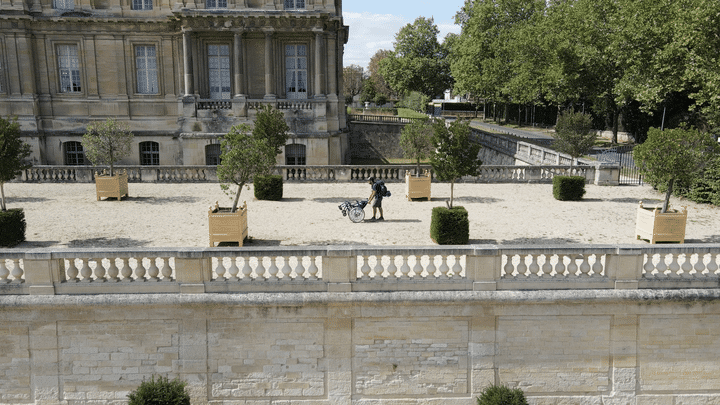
(382,189)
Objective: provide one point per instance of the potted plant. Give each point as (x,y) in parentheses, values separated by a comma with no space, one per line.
(270,125)
(665,158)
(13,152)
(106,143)
(244,154)
(416,141)
(455,156)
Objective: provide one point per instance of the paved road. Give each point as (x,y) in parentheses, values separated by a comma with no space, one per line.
(536,137)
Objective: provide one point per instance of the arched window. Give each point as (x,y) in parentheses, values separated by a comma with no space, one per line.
(295,154)
(212,154)
(74,155)
(149,153)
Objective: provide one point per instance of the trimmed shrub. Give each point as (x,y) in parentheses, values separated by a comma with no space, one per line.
(160,392)
(568,188)
(450,226)
(268,187)
(501,395)
(706,188)
(12,227)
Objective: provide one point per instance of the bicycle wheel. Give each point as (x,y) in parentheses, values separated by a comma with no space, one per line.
(357,214)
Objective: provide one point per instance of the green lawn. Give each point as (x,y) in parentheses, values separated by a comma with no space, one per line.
(408,113)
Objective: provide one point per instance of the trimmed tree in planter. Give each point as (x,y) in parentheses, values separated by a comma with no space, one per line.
(13,152)
(455,156)
(106,143)
(667,157)
(244,155)
(416,141)
(270,125)
(574,134)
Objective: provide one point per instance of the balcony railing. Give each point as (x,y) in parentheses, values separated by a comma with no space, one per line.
(357,269)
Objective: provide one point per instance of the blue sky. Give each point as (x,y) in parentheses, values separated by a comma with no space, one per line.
(374,23)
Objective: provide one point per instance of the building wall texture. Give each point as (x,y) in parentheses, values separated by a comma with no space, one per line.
(639,347)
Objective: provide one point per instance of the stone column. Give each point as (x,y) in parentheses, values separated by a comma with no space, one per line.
(269,88)
(186,63)
(319,76)
(238,64)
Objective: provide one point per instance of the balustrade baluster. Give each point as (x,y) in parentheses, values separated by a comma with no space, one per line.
(699,266)
(687,267)
(85,271)
(4,272)
(285,270)
(153,270)
(17,271)
(166,270)
(674,266)
(260,269)
(534,266)
(299,269)
(546,267)
(99,271)
(220,269)
(273,269)
(405,268)
(661,267)
(378,269)
(522,268)
(246,270)
(71,272)
(444,269)
(584,265)
(648,266)
(313,269)
(712,266)
(125,271)
(232,270)
(365,269)
(572,266)
(392,269)
(509,267)
(139,269)
(112,271)
(456,268)
(597,267)
(417,268)
(431,269)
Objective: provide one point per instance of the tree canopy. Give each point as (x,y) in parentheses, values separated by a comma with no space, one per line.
(456,155)
(107,142)
(13,154)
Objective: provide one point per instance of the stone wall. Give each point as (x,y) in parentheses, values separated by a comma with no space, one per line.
(559,347)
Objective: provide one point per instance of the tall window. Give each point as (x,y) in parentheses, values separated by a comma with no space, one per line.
(142,5)
(146,67)
(69,68)
(294,4)
(294,154)
(67,5)
(74,155)
(149,153)
(215,3)
(296,71)
(212,154)
(219,70)
(2,76)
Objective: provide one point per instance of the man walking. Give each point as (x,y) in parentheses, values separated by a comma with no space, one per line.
(377,195)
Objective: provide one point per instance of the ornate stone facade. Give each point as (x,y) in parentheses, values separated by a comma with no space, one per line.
(179,73)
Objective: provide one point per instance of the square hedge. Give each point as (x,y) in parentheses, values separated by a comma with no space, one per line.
(450,226)
(268,187)
(12,227)
(568,188)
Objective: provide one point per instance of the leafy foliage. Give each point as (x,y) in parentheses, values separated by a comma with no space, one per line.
(574,134)
(416,101)
(12,227)
(107,142)
(568,188)
(418,62)
(353,78)
(268,187)
(674,155)
(456,155)
(416,141)
(13,152)
(270,125)
(160,392)
(501,395)
(380,85)
(450,226)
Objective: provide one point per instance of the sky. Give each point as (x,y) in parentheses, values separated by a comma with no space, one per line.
(374,23)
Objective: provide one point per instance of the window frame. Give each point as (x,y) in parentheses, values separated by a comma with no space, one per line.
(212,154)
(145,5)
(286,81)
(295,154)
(220,71)
(78,154)
(74,76)
(149,156)
(295,5)
(137,59)
(62,5)
(216,4)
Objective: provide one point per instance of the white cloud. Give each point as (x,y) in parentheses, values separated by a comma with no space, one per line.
(371,32)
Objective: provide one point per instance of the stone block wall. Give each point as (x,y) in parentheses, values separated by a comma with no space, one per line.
(560,347)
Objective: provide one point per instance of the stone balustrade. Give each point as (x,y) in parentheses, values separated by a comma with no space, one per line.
(346,269)
(601,174)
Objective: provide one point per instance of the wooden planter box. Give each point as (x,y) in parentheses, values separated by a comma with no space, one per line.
(417,187)
(111,186)
(655,227)
(226,226)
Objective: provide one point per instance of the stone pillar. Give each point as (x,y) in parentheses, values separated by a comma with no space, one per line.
(190,268)
(269,88)
(186,63)
(625,268)
(332,64)
(38,273)
(339,269)
(238,64)
(483,268)
(319,76)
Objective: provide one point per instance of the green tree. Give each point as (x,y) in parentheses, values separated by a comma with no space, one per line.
(674,155)
(270,125)
(456,155)
(416,141)
(418,62)
(107,142)
(501,395)
(379,83)
(160,392)
(368,92)
(353,78)
(574,134)
(13,154)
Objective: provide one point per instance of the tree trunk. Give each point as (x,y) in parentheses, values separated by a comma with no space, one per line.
(616,124)
(417,170)
(666,203)
(2,197)
(452,186)
(237,198)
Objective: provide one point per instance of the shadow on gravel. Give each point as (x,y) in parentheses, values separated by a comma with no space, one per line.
(525,241)
(106,242)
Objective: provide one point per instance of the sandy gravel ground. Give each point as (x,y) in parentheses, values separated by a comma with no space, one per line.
(175,215)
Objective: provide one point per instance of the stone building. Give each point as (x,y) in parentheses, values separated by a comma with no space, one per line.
(180,73)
